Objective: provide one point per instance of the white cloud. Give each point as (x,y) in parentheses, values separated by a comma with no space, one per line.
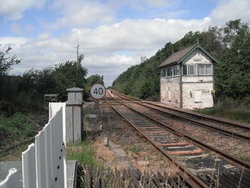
(158,3)
(110,61)
(44,36)
(110,66)
(109,49)
(15,42)
(80,13)
(134,35)
(13,9)
(230,10)
(144,5)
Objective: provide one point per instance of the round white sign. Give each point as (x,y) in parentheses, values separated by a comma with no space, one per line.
(97,91)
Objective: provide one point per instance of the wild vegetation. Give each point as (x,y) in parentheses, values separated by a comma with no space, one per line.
(238,110)
(22,103)
(16,133)
(229,44)
(17,127)
(26,93)
(83,152)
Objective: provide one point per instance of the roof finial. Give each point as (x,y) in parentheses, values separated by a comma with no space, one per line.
(197,41)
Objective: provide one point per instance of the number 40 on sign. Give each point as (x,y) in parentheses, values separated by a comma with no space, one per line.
(97,91)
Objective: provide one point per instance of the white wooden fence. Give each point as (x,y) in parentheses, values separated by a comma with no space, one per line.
(43,163)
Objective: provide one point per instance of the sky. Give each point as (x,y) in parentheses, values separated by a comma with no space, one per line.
(112,34)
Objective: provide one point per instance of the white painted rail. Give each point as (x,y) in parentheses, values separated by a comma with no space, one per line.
(44,162)
(29,167)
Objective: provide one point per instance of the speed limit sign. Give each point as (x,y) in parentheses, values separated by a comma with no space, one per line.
(97,91)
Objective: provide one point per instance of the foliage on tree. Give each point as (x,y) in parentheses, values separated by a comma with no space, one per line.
(142,80)
(27,92)
(7,62)
(7,84)
(94,79)
(67,75)
(229,44)
(233,72)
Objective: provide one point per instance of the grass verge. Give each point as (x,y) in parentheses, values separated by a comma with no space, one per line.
(83,152)
(15,129)
(15,153)
(241,114)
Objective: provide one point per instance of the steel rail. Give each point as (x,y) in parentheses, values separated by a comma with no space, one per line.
(237,162)
(223,131)
(184,171)
(202,116)
(189,113)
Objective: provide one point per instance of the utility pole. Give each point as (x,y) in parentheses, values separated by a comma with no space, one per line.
(77,60)
(77,53)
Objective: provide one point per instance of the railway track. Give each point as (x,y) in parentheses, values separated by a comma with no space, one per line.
(140,124)
(236,130)
(201,159)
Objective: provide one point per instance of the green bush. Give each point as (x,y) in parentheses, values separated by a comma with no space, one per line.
(17,125)
(231,109)
(246,101)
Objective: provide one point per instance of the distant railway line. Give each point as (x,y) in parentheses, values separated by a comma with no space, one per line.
(200,163)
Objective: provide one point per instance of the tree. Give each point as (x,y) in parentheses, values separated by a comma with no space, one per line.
(229,44)
(7,83)
(232,73)
(67,75)
(7,62)
(146,90)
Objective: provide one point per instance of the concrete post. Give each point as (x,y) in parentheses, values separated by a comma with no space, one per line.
(74,115)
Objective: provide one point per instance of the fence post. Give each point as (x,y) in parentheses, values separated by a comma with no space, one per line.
(40,153)
(74,115)
(29,167)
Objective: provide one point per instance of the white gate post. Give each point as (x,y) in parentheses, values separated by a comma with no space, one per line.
(74,115)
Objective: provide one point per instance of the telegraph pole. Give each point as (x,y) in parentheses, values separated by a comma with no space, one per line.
(77,53)
(77,60)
